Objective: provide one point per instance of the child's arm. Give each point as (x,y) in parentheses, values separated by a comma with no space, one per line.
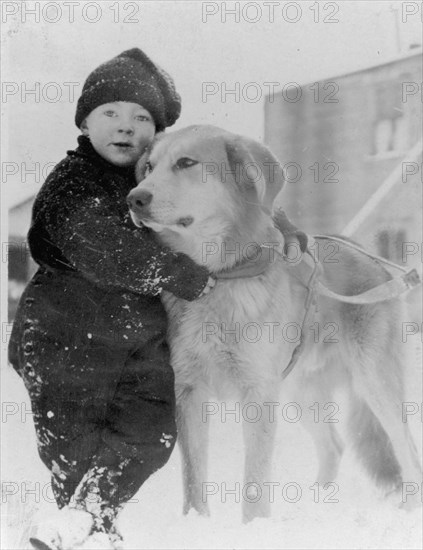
(87,230)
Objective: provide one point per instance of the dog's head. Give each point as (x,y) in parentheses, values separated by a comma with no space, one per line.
(203,188)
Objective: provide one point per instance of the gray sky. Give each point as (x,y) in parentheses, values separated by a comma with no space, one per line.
(197,43)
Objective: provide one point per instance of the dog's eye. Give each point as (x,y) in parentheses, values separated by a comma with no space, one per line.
(148,168)
(185,162)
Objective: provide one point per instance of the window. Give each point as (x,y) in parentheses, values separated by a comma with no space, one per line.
(390,244)
(17,254)
(390,123)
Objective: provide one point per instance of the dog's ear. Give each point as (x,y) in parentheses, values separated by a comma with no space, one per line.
(141,165)
(256,169)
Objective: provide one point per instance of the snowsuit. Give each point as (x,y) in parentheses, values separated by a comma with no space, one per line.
(89,337)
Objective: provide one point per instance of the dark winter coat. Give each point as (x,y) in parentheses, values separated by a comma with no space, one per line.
(107,273)
(89,334)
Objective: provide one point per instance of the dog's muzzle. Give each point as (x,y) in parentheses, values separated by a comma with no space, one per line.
(138,200)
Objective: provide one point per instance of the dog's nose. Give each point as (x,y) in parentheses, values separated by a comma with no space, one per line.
(138,199)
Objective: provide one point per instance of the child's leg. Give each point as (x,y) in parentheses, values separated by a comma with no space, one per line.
(94,398)
(139,436)
(70,385)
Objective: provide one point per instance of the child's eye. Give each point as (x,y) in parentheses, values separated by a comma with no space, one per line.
(148,168)
(110,113)
(143,118)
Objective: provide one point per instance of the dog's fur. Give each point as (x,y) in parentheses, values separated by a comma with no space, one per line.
(207,210)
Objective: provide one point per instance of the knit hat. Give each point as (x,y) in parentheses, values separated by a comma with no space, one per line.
(131,76)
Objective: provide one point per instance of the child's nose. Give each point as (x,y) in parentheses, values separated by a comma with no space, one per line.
(126,126)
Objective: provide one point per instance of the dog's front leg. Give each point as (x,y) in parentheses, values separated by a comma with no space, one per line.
(193,442)
(259,428)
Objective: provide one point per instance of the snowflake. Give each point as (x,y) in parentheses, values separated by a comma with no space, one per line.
(166,440)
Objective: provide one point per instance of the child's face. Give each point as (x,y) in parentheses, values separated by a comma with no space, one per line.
(119,131)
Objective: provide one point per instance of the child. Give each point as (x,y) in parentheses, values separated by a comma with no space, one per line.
(89,334)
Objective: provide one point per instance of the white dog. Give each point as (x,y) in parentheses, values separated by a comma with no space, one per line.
(209,193)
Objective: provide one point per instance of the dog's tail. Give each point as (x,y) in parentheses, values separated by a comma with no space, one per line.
(373,446)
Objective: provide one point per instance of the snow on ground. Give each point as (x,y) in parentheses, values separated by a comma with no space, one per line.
(358,518)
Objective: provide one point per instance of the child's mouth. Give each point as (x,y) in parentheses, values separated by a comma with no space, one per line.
(122,145)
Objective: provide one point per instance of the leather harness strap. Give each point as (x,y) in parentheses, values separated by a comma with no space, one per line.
(310,307)
(386,291)
(308,264)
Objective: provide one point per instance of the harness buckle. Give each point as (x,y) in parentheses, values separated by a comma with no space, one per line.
(412,278)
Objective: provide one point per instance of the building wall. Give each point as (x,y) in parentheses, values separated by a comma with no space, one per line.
(21,267)
(363,137)
(355,129)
